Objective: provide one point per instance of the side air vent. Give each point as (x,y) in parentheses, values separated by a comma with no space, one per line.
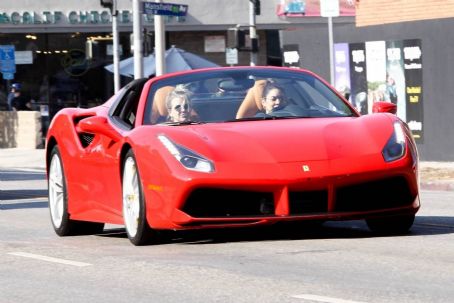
(77,119)
(86,139)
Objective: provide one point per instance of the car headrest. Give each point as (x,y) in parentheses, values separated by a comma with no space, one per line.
(159,108)
(252,103)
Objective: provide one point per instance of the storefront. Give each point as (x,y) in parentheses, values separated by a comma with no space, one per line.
(58,67)
(61,48)
(60,55)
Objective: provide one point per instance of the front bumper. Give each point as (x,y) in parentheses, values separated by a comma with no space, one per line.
(285,192)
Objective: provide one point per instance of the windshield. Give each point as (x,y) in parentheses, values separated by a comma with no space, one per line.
(231,95)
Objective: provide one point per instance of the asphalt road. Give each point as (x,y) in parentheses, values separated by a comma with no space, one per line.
(340,262)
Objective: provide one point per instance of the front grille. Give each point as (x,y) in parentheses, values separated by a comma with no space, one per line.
(212,202)
(308,202)
(387,193)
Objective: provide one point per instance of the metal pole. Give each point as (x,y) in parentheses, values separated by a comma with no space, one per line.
(252,31)
(331,53)
(160,43)
(116,53)
(137,32)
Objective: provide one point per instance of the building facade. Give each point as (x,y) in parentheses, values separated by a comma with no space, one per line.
(62,48)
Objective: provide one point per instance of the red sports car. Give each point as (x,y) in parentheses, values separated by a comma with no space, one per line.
(229,147)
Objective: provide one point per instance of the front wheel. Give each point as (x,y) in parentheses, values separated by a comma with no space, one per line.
(58,202)
(391,225)
(134,213)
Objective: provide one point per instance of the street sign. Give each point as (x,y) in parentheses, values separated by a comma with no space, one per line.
(8,76)
(166,9)
(291,57)
(7,61)
(231,56)
(291,54)
(329,8)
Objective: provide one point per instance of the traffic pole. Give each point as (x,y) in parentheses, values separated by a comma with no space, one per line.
(252,32)
(331,52)
(116,53)
(160,43)
(137,32)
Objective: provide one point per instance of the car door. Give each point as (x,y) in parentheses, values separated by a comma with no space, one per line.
(101,158)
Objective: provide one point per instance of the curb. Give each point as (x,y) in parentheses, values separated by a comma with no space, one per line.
(440,186)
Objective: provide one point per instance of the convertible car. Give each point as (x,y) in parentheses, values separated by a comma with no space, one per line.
(229,147)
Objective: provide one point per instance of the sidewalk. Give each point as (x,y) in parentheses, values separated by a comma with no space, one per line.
(434,175)
(22,158)
(437,175)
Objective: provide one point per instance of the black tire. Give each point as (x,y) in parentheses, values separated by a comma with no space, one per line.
(391,225)
(142,233)
(61,222)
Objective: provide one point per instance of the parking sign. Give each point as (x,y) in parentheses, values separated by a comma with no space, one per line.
(7,59)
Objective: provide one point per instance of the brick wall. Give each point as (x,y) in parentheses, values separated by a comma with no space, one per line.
(20,129)
(375,12)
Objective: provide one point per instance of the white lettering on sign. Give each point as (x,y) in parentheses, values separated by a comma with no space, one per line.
(412,53)
(414,125)
(291,57)
(413,66)
(359,69)
(358,56)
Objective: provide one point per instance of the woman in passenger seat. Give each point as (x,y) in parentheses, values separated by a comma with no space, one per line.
(178,105)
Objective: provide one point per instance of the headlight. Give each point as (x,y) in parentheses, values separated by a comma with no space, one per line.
(395,147)
(186,157)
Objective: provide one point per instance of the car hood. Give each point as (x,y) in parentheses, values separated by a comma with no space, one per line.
(283,141)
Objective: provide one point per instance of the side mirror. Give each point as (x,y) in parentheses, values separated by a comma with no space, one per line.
(98,125)
(384,107)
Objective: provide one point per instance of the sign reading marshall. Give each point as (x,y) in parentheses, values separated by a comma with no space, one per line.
(167,9)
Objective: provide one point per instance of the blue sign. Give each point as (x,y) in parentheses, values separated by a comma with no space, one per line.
(7,59)
(166,9)
(8,76)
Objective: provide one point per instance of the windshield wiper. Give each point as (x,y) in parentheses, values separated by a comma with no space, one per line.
(267,117)
(189,122)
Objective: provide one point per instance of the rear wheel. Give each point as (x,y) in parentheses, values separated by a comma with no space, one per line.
(58,202)
(391,225)
(134,213)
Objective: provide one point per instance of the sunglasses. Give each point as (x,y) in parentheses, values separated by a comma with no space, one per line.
(179,107)
(275,98)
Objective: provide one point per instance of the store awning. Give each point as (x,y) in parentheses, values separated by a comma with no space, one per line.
(176,60)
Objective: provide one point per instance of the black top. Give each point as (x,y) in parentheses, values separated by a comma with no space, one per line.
(20,103)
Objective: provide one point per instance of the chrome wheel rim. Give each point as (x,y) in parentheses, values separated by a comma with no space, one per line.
(56,191)
(131,197)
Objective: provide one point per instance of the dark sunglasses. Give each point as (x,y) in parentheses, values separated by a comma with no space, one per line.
(178,107)
(274,98)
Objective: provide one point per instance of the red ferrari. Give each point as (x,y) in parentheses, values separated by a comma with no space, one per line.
(229,147)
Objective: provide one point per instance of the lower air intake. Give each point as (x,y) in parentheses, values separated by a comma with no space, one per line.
(374,195)
(308,202)
(211,202)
